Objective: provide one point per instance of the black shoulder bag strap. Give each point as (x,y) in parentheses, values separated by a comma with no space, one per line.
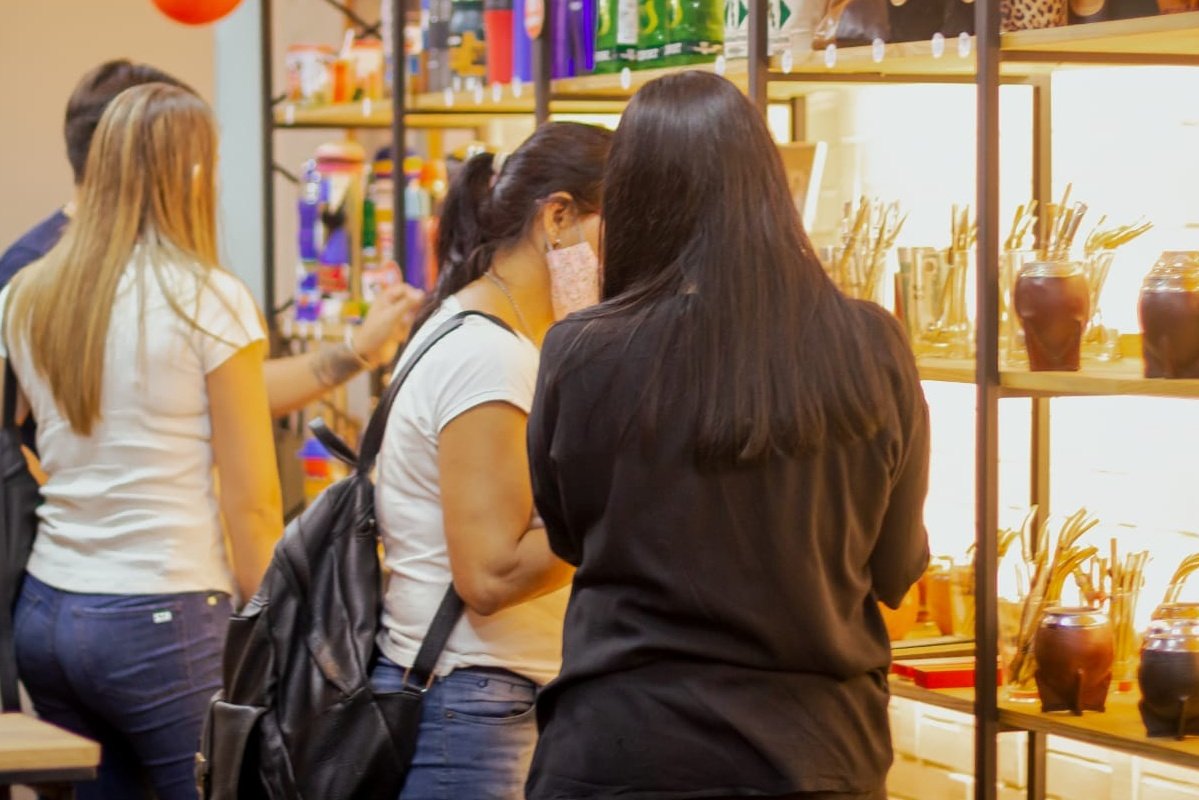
(10,698)
(420,674)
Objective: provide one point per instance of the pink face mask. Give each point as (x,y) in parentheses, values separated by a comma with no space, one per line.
(574,277)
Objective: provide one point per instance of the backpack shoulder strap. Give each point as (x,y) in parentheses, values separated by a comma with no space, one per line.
(8,414)
(420,674)
(372,440)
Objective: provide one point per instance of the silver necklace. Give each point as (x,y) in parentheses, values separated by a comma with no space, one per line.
(503,287)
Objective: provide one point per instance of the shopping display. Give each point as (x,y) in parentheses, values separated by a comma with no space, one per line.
(345,232)
(1058,315)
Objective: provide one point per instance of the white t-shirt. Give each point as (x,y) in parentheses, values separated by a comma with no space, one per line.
(131,509)
(476,364)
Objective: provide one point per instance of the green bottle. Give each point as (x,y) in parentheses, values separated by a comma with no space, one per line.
(607,60)
(651,33)
(695,31)
(616,36)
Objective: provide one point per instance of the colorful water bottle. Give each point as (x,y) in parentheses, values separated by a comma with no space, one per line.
(497,25)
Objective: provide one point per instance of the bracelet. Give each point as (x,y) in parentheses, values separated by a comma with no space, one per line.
(361,359)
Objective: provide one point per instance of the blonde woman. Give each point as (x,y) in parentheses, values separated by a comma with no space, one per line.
(141,360)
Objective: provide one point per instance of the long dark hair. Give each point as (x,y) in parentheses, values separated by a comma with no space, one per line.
(768,357)
(485,211)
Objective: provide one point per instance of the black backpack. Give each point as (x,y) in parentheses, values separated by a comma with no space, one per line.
(297,717)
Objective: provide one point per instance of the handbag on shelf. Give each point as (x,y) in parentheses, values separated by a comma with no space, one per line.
(20,496)
(849,23)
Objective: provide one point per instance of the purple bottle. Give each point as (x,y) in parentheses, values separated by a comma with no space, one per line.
(573,43)
(522,45)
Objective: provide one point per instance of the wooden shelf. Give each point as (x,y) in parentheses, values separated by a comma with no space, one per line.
(618,87)
(1162,39)
(1120,378)
(439,110)
(1117,728)
(1124,377)
(961,700)
(945,370)
(367,114)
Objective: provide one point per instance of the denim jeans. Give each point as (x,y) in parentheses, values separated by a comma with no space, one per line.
(477,734)
(133,672)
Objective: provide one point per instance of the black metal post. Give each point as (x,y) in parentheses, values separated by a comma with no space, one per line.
(266,63)
(759,54)
(986,702)
(543,65)
(399,147)
(1039,447)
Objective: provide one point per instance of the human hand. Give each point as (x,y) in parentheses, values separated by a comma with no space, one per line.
(387,323)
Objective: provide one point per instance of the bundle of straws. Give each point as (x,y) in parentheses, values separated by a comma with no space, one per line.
(1127,578)
(867,233)
(1048,571)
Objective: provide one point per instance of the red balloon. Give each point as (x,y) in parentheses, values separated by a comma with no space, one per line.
(196,12)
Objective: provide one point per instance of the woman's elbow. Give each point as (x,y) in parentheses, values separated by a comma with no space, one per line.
(481,594)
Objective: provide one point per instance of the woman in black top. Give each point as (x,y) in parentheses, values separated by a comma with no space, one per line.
(735,456)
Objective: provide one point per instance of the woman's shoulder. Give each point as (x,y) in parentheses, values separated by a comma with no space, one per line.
(480,347)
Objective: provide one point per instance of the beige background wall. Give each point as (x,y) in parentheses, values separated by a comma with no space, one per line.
(45,46)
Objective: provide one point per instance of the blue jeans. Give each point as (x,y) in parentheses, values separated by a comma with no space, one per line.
(477,734)
(133,672)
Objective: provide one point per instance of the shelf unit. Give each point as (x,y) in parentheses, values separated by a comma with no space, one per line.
(986,61)
(1117,728)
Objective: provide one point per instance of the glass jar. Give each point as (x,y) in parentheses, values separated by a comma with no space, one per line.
(1052,300)
(1169,312)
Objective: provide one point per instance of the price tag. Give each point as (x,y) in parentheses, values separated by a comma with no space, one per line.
(965,44)
(877,51)
(938,45)
(830,56)
(289,114)
(721,65)
(626,78)
(448,96)
(788,61)
(497,92)
(518,86)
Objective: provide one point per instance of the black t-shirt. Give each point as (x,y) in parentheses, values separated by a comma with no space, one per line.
(36,242)
(723,633)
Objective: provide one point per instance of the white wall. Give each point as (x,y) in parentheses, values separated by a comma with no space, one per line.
(45,47)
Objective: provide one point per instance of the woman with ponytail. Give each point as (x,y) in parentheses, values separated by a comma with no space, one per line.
(518,242)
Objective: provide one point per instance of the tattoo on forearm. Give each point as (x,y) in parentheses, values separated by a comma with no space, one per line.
(335,364)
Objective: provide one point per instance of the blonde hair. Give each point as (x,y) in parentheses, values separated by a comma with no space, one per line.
(148,190)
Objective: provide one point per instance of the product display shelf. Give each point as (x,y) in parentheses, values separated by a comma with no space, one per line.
(1163,39)
(961,700)
(438,110)
(620,86)
(945,370)
(1124,377)
(1117,728)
